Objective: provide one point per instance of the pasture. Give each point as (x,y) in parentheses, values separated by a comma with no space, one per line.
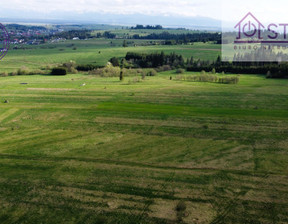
(95,51)
(155,151)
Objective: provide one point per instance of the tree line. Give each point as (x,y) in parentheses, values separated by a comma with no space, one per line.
(81,34)
(148,27)
(154,60)
(174,61)
(271,69)
(169,38)
(181,38)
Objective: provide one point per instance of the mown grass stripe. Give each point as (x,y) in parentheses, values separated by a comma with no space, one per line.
(8,113)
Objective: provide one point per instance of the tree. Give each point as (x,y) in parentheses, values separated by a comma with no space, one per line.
(59,71)
(213,71)
(152,72)
(115,62)
(125,43)
(121,75)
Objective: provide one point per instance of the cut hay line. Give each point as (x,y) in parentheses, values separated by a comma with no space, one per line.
(8,113)
(134,164)
(51,89)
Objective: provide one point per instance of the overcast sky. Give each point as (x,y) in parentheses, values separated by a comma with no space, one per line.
(189,8)
(229,10)
(266,11)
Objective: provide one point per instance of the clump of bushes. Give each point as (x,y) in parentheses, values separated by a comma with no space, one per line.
(198,78)
(111,71)
(164,68)
(209,78)
(24,71)
(213,71)
(275,75)
(70,67)
(59,71)
(180,71)
(229,80)
(132,72)
(86,68)
(151,72)
(115,62)
(4,74)
(108,71)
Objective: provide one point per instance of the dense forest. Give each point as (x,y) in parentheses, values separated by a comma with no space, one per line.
(181,38)
(168,38)
(148,27)
(174,61)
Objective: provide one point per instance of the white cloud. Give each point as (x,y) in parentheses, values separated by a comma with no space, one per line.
(266,11)
(188,8)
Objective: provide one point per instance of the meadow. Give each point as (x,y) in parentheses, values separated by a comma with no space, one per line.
(96,51)
(154,151)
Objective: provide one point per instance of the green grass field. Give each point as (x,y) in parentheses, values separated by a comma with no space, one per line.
(122,33)
(127,152)
(96,51)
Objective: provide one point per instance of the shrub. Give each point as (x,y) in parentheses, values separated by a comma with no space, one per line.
(115,62)
(180,77)
(202,78)
(108,71)
(71,67)
(268,75)
(129,72)
(38,72)
(23,71)
(111,71)
(4,74)
(180,71)
(164,68)
(209,78)
(86,68)
(229,80)
(152,72)
(73,71)
(213,71)
(59,71)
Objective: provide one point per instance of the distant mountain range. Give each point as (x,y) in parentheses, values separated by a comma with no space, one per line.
(197,23)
